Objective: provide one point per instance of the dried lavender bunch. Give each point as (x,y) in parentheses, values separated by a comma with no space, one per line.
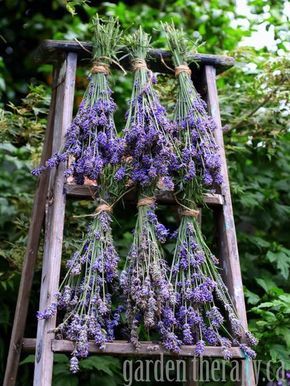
(144,278)
(91,141)
(199,160)
(85,294)
(202,298)
(147,127)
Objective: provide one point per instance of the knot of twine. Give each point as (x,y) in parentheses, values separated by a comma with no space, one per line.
(102,68)
(182,68)
(103,208)
(145,201)
(138,64)
(190,212)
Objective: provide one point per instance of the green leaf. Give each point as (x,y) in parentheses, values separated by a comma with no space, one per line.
(106,364)
(267,284)
(65,380)
(282,260)
(280,353)
(252,298)
(60,358)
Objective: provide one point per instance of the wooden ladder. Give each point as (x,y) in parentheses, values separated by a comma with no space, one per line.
(49,207)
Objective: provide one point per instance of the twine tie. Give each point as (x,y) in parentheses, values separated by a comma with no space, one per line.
(100,68)
(146,201)
(182,68)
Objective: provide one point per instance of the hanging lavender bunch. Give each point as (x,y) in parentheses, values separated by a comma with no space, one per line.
(202,297)
(147,127)
(91,141)
(144,278)
(199,160)
(85,294)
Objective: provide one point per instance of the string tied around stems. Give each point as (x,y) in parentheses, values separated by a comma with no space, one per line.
(145,201)
(182,68)
(189,212)
(103,208)
(138,64)
(100,68)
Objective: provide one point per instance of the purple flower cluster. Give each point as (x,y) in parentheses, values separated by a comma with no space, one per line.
(199,163)
(144,279)
(91,141)
(147,128)
(86,291)
(195,318)
(199,156)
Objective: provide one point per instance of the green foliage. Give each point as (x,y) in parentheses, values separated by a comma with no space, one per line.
(254,105)
(102,370)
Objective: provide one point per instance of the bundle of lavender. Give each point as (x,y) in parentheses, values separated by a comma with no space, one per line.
(202,296)
(147,127)
(144,278)
(85,294)
(91,140)
(198,154)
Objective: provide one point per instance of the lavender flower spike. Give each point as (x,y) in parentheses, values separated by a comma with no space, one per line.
(148,129)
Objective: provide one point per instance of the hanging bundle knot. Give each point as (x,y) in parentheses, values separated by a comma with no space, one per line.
(189,212)
(138,64)
(103,208)
(146,201)
(182,68)
(101,68)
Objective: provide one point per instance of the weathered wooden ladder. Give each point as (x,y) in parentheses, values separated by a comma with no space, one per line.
(49,206)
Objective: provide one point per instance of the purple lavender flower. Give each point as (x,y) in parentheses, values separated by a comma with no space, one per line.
(48,313)
(215,317)
(74,364)
(144,279)
(248,351)
(187,335)
(199,348)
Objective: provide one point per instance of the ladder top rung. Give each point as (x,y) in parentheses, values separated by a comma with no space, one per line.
(87,191)
(50,51)
(124,348)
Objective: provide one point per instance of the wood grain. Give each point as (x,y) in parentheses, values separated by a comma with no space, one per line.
(29,260)
(89,191)
(120,348)
(227,240)
(54,227)
(50,51)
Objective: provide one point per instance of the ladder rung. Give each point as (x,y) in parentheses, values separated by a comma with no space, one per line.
(124,348)
(87,191)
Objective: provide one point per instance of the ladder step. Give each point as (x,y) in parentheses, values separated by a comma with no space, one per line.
(124,348)
(87,191)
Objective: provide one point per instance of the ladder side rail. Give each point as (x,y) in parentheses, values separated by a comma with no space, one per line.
(30,256)
(227,238)
(54,225)
(227,232)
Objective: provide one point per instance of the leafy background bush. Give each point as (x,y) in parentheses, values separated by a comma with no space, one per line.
(254,98)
